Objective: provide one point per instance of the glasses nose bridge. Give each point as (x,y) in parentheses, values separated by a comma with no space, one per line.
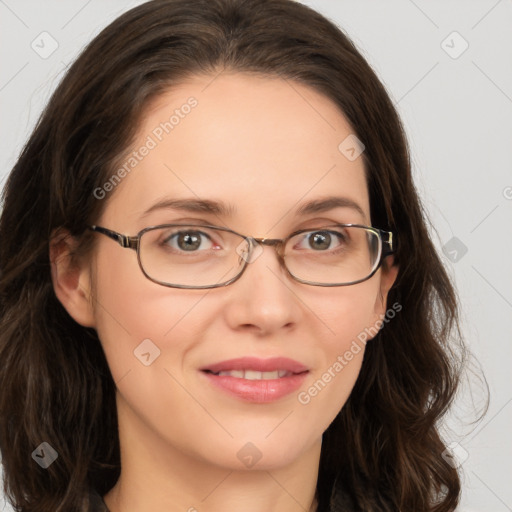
(277,243)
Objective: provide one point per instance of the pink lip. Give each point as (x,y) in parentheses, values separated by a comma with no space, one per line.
(260,365)
(258,391)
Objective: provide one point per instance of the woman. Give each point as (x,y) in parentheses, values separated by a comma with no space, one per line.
(218,289)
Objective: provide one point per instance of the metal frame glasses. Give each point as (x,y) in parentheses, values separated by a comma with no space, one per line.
(385,248)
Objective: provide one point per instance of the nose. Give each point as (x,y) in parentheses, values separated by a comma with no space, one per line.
(264,299)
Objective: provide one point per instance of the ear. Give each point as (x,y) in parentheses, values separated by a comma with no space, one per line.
(388,274)
(71,279)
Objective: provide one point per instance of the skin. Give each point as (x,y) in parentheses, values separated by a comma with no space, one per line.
(265,147)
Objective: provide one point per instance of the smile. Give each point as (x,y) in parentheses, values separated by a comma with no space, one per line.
(254,375)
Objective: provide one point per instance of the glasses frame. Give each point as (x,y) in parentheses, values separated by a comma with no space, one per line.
(386,247)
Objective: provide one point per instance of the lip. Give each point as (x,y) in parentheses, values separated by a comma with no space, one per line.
(260,365)
(257,391)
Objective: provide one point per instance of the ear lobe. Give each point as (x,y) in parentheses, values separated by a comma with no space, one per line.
(388,275)
(71,280)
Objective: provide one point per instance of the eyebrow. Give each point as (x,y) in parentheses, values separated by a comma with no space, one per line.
(193,205)
(328,203)
(220,208)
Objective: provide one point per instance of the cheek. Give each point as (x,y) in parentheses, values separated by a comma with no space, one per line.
(348,320)
(345,315)
(137,320)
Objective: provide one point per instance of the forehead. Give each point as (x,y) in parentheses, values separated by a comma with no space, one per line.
(263,145)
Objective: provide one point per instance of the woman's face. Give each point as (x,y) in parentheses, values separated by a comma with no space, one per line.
(265,147)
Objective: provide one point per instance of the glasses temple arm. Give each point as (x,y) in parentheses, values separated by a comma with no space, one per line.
(388,242)
(124,241)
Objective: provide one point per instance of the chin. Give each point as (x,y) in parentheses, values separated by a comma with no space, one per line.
(262,454)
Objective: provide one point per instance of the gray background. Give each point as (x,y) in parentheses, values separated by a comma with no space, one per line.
(457,109)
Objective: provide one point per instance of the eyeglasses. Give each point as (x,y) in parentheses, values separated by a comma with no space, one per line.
(203,256)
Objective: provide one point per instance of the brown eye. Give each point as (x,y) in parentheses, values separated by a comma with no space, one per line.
(189,241)
(321,240)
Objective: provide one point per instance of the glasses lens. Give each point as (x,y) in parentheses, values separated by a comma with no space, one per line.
(334,254)
(195,256)
(200,256)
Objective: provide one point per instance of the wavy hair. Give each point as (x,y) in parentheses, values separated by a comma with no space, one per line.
(383,450)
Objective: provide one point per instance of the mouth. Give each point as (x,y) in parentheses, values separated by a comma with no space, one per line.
(254,374)
(256,365)
(257,380)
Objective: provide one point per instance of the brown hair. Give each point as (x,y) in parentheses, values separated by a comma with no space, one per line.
(383,450)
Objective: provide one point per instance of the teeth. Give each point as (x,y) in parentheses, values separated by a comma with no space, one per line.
(234,373)
(254,375)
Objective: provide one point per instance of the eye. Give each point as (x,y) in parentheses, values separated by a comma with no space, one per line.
(322,240)
(188,240)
